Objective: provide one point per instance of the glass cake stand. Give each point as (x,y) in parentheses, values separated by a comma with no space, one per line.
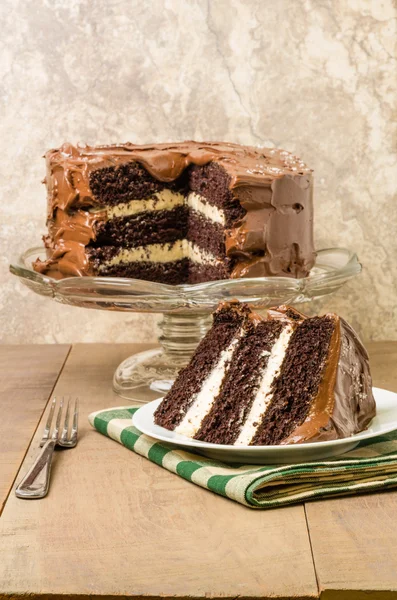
(186,309)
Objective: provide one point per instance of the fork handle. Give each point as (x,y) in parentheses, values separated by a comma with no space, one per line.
(36,482)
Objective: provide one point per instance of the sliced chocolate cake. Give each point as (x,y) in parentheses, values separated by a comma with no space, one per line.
(176,213)
(281,380)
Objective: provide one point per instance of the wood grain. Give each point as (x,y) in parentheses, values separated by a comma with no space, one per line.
(354,539)
(27,377)
(115,524)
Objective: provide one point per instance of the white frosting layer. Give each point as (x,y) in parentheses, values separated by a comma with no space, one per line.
(264,395)
(161,253)
(210,389)
(197,203)
(198,255)
(167,200)
(164,200)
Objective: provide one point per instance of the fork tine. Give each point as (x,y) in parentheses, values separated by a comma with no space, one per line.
(55,433)
(75,420)
(46,432)
(65,429)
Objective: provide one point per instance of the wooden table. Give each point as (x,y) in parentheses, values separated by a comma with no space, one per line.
(115,525)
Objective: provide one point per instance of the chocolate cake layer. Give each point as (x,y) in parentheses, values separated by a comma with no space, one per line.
(230,410)
(262,198)
(144,228)
(172,273)
(206,234)
(213,183)
(198,273)
(299,381)
(112,185)
(189,272)
(226,326)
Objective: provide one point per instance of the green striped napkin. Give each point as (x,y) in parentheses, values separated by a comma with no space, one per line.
(370,466)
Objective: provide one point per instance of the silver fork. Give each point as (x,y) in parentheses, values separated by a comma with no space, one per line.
(36,482)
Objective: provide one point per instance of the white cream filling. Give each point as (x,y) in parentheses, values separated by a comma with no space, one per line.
(264,394)
(167,200)
(161,253)
(198,255)
(196,202)
(164,200)
(205,398)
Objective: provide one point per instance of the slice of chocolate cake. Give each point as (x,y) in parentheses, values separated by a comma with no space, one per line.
(176,213)
(281,380)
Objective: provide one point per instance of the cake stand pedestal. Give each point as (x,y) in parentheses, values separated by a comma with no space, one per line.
(186,309)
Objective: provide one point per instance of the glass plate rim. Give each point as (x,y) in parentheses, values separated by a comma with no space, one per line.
(351,267)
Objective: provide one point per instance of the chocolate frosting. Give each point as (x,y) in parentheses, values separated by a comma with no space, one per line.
(275,236)
(344,404)
(354,401)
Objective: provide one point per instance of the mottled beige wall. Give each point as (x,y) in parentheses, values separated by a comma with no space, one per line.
(317,78)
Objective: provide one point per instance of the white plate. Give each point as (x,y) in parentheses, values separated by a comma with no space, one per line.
(384,422)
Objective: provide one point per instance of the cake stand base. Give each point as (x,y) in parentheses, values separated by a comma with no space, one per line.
(148,375)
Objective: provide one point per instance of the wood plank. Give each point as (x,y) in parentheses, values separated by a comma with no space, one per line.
(354,539)
(27,377)
(115,524)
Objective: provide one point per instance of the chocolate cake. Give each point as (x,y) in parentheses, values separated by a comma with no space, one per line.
(176,213)
(283,379)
